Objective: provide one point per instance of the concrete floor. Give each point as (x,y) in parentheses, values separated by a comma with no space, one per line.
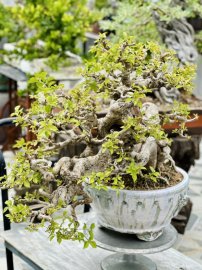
(189,244)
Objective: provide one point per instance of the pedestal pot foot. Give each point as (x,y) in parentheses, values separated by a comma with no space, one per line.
(122,261)
(149,236)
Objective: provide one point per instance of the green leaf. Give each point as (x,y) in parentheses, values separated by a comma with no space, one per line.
(86,245)
(93,244)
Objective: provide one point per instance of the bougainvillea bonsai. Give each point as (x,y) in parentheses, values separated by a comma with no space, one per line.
(125,147)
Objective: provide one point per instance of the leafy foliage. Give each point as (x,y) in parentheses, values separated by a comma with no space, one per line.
(101,4)
(136,17)
(17,213)
(47,28)
(6,24)
(114,152)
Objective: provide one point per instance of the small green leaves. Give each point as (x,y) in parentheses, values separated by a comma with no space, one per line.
(180,109)
(47,128)
(134,170)
(89,236)
(99,180)
(182,77)
(20,143)
(153,175)
(112,143)
(17,213)
(117,182)
(71,230)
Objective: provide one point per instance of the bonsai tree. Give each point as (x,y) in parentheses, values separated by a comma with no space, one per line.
(59,31)
(159,20)
(126,148)
(169,23)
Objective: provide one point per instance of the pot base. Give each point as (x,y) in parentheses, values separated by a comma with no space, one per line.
(128,243)
(122,261)
(149,236)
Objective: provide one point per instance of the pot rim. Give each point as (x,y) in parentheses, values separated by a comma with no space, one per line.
(172,189)
(166,190)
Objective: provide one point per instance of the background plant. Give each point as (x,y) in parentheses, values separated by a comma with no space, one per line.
(6,24)
(47,28)
(137,17)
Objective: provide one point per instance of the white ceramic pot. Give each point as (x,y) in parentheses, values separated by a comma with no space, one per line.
(144,213)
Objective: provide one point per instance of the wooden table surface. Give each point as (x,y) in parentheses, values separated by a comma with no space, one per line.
(70,255)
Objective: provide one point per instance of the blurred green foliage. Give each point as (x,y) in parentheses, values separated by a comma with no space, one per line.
(136,17)
(46,28)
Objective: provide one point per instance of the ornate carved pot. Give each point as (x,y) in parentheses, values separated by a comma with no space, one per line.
(144,213)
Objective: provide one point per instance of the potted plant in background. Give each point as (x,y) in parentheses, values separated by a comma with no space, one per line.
(32,43)
(158,20)
(55,36)
(126,159)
